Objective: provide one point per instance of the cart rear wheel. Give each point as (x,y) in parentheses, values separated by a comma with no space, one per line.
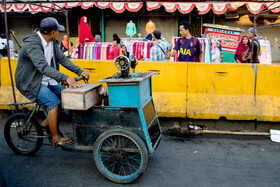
(23,139)
(120,155)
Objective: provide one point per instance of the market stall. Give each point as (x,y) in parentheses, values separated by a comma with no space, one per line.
(229,36)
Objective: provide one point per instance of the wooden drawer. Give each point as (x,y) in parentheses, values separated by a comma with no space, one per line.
(81,98)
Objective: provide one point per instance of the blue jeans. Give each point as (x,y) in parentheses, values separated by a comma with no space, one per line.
(49,96)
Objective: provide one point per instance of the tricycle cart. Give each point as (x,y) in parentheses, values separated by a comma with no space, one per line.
(120,134)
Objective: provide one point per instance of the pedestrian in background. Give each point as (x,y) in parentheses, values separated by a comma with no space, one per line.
(115,49)
(3,45)
(242,50)
(161,46)
(124,51)
(149,37)
(97,38)
(253,52)
(65,44)
(189,47)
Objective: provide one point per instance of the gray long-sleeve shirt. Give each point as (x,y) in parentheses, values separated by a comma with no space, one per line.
(32,65)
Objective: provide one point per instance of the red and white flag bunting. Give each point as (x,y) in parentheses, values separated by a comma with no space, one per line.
(119,7)
(217,7)
(185,8)
(273,7)
(255,7)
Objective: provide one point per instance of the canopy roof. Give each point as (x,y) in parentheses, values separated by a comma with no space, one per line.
(218,7)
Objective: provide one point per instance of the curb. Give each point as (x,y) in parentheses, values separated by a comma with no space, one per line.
(183,126)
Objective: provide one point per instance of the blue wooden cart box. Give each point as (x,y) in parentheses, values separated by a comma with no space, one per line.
(130,107)
(130,92)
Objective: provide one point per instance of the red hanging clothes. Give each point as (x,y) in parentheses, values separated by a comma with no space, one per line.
(84,31)
(148,49)
(202,45)
(134,49)
(142,50)
(138,56)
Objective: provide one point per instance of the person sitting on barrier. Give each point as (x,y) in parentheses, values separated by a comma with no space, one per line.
(161,46)
(37,73)
(189,47)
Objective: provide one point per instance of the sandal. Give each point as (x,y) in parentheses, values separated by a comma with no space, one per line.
(61,143)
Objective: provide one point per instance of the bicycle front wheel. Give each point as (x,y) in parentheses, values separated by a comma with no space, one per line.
(120,155)
(22,137)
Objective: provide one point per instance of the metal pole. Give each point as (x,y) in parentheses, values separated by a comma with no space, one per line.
(138,24)
(265,26)
(103,26)
(67,30)
(8,50)
(13,34)
(254,26)
(177,24)
(266,9)
(201,25)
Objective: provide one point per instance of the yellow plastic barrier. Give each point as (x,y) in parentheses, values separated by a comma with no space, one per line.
(6,93)
(5,73)
(268,93)
(194,90)
(216,90)
(169,87)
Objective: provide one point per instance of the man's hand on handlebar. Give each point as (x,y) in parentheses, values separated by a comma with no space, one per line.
(85,75)
(72,83)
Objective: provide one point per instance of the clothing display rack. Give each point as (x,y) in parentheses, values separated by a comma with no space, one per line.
(139,47)
(94,50)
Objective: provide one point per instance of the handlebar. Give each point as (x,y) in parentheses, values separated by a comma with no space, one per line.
(76,79)
(79,78)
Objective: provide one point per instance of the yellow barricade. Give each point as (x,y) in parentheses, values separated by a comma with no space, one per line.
(268,93)
(169,87)
(6,93)
(221,90)
(193,90)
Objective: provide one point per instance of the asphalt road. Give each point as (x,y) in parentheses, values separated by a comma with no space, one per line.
(201,160)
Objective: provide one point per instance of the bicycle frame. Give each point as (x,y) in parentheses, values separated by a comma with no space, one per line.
(35,109)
